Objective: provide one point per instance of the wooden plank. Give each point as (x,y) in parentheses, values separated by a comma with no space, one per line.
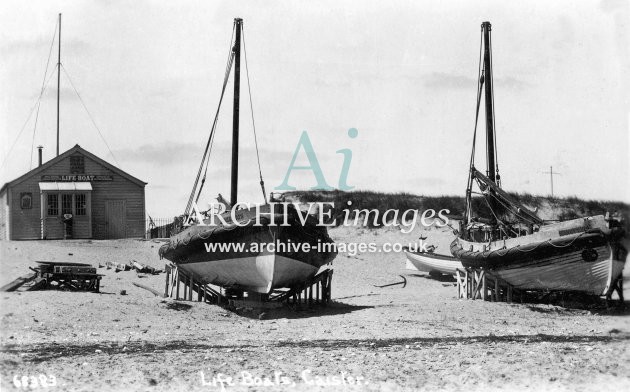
(40,283)
(155,292)
(171,286)
(475,284)
(167,277)
(330,275)
(138,266)
(479,277)
(143,267)
(177,288)
(117,266)
(14,285)
(460,283)
(190,288)
(468,283)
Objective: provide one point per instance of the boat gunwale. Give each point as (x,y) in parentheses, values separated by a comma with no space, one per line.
(519,254)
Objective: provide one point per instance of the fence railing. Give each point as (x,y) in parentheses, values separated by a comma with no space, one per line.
(161,227)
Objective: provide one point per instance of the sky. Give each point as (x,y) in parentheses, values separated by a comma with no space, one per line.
(403,73)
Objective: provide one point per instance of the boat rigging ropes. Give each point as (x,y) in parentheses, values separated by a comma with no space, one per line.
(41,92)
(206,155)
(474,142)
(89,114)
(483,74)
(251,107)
(36,106)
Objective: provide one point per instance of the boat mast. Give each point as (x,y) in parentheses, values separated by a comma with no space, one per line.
(487,68)
(58,80)
(238,22)
(491,172)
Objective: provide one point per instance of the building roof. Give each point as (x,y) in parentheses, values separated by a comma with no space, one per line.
(66,154)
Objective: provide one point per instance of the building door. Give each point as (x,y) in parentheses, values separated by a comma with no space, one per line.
(115,212)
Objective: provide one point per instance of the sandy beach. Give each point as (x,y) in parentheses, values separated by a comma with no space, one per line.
(393,338)
(378,116)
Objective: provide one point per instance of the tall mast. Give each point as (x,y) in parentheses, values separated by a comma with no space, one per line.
(58,81)
(238,23)
(487,68)
(490,148)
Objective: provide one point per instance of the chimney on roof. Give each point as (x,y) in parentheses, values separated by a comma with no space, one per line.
(39,150)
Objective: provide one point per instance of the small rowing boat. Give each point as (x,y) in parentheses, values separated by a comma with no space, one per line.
(433,263)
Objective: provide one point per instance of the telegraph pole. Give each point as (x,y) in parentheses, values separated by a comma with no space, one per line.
(551,174)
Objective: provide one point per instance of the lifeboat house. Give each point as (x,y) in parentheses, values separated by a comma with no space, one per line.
(74,195)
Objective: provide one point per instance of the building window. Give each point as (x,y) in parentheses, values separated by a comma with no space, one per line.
(26,200)
(77,164)
(80,204)
(66,204)
(53,204)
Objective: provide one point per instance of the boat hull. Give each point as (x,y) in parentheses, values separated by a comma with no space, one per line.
(432,263)
(565,272)
(580,255)
(260,274)
(252,257)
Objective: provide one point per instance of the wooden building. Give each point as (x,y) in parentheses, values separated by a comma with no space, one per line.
(74,195)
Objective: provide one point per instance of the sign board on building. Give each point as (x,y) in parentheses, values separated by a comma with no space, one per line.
(78,177)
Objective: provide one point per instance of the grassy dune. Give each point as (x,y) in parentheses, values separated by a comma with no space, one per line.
(546,207)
